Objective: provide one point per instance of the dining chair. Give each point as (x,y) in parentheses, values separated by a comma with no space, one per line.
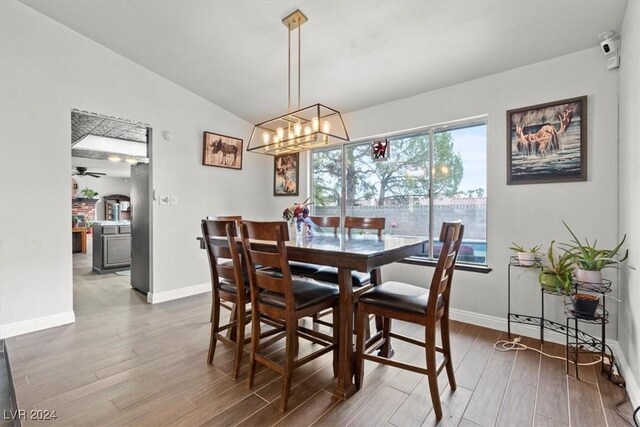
(305,268)
(227,284)
(364,223)
(414,304)
(359,279)
(327,222)
(284,298)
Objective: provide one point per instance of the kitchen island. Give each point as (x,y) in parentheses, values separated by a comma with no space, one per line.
(111,246)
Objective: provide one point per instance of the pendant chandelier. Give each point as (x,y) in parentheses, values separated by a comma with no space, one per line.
(303,129)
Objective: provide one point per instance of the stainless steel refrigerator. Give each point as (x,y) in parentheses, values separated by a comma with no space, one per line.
(140,227)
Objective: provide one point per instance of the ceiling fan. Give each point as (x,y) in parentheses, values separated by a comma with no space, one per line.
(82,171)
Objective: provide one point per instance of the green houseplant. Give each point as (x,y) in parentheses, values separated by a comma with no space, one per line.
(526,257)
(89,193)
(590,260)
(556,277)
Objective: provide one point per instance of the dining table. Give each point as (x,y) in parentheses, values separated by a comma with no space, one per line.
(364,253)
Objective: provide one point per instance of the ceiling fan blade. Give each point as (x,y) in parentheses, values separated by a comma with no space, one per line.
(96,174)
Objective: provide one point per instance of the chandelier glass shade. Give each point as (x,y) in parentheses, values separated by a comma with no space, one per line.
(303,129)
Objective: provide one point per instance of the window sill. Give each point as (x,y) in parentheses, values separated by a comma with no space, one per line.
(459,266)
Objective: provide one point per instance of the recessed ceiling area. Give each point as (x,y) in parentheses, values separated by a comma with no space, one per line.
(354,54)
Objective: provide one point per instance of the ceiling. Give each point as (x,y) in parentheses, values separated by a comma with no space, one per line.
(355,54)
(112,169)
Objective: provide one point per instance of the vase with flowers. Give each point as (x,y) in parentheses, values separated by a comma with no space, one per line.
(297,216)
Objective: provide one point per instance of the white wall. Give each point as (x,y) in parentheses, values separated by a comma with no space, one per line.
(105,186)
(528,214)
(46,70)
(629,319)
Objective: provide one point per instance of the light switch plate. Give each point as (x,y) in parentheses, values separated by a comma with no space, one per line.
(165,199)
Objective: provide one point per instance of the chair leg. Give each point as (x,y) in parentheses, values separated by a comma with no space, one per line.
(231,334)
(240,316)
(292,339)
(386,331)
(446,347)
(432,375)
(336,339)
(215,324)
(360,334)
(255,342)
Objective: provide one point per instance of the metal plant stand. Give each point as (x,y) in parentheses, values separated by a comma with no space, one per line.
(577,341)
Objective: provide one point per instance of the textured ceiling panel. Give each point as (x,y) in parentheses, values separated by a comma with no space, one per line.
(84,123)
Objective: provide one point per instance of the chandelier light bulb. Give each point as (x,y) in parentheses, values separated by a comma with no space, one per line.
(315,123)
(276,139)
(326,127)
(307,130)
(280,133)
(290,135)
(266,137)
(297,129)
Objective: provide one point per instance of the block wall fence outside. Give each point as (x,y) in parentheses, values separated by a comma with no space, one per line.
(414,220)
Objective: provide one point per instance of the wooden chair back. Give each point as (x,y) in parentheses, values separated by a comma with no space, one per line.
(451,235)
(272,255)
(364,223)
(223,246)
(327,222)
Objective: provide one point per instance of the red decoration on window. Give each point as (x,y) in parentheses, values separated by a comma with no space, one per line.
(380,150)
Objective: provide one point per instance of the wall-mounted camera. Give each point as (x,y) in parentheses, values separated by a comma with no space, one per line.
(609,46)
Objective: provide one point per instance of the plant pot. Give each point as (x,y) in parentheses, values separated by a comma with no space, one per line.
(526,258)
(585,305)
(589,276)
(551,282)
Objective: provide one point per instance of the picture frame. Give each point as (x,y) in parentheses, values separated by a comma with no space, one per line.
(547,143)
(380,150)
(222,151)
(286,171)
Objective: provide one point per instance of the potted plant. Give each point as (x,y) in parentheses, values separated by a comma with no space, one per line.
(591,260)
(89,226)
(585,305)
(556,277)
(525,257)
(89,193)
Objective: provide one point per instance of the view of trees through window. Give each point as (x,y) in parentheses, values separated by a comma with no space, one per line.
(401,187)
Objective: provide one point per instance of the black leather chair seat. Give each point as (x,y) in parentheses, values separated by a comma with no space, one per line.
(306,293)
(330,274)
(400,296)
(229,286)
(303,268)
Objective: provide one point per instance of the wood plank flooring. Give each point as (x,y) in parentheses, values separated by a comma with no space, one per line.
(125,362)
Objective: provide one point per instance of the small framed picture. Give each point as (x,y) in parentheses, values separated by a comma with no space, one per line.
(547,143)
(285,174)
(221,151)
(380,150)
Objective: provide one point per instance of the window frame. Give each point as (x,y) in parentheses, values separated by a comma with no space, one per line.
(430,130)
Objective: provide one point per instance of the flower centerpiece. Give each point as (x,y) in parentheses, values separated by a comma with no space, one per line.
(298,215)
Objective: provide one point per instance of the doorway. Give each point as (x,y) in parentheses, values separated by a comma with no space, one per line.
(110,212)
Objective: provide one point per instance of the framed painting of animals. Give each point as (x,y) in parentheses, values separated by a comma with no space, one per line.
(286,169)
(221,151)
(547,142)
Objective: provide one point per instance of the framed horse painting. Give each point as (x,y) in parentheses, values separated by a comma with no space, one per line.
(547,142)
(221,151)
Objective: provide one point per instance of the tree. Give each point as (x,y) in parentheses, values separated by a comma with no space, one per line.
(404,176)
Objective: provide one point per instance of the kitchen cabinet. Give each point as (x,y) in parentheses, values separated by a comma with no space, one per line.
(111,246)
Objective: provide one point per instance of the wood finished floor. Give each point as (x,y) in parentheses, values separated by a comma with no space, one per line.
(128,363)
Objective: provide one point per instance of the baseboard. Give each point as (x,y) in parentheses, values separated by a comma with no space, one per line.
(633,383)
(500,324)
(32,325)
(158,297)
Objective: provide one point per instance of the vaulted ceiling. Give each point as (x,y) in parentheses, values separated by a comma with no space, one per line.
(355,54)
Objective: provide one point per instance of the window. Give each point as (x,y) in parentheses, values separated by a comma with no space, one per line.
(435,174)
